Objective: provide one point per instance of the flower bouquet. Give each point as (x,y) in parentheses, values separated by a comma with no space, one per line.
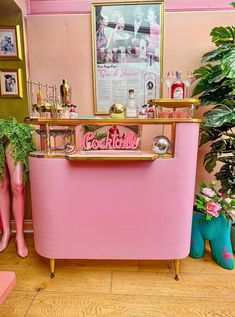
(213,203)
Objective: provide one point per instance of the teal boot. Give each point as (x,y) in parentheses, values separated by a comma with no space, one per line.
(217,231)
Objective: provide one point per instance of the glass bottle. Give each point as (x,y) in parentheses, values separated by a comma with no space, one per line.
(143,112)
(150,112)
(132,109)
(149,81)
(178,87)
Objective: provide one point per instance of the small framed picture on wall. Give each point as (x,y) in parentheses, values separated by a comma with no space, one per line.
(10,45)
(10,83)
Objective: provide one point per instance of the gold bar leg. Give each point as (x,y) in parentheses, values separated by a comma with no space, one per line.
(177,269)
(52,266)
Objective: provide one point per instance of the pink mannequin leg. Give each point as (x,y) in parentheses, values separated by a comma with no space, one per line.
(18,203)
(5,210)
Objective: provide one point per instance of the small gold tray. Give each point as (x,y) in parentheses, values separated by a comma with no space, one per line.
(175,103)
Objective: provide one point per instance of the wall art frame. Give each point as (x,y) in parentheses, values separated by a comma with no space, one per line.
(11,83)
(127,48)
(10,43)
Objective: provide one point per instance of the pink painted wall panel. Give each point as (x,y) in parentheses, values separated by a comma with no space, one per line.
(116,210)
(83,6)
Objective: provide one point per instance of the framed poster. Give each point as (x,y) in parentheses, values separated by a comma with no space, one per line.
(10,83)
(127,46)
(10,46)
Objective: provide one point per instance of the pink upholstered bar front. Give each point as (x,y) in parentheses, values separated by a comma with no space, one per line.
(116,210)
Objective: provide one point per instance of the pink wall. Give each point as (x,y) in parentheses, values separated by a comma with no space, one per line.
(60,47)
(24,5)
(83,6)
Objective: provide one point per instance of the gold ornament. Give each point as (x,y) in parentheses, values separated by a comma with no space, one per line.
(117,110)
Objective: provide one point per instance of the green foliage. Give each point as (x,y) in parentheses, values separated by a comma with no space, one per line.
(221,114)
(223,35)
(19,136)
(216,86)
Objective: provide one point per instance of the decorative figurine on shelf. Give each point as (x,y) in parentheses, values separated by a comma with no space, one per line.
(16,143)
(117,110)
(65,91)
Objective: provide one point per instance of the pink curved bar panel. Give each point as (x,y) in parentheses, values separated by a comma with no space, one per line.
(116,210)
(7,283)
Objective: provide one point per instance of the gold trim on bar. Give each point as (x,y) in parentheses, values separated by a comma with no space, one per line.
(108,121)
(143,156)
(175,103)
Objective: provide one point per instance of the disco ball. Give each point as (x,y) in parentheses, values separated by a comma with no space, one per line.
(161,145)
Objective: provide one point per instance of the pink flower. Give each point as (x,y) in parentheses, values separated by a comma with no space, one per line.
(213,209)
(208,192)
(221,195)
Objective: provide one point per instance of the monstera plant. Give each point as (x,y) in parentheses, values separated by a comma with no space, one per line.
(216,86)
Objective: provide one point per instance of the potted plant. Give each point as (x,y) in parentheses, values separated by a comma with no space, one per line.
(16,142)
(212,218)
(216,86)
(19,136)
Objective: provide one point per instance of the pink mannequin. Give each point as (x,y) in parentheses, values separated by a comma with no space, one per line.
(18,203)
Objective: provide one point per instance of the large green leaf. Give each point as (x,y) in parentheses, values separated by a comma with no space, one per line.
(212,134)
(228,63)
(223,35)
(215,93)
(223,113)
(210,160)
(216,55)
(226,176)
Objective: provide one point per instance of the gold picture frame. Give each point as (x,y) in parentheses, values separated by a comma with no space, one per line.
(10,43)
(11,83)
(127,37)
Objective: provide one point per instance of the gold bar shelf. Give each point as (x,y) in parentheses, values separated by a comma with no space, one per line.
(140,156)
(106,120)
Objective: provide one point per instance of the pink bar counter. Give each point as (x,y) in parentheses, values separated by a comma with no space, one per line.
(116,210)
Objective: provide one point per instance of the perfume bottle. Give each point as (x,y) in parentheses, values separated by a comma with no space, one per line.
(143,112)
(150,112)
(178,87)
(149,81)
(72,112)
(132,109)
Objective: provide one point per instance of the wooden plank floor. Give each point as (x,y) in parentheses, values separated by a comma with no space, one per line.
(86,288)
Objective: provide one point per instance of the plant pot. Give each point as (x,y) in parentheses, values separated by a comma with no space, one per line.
(217,231)
(233,236)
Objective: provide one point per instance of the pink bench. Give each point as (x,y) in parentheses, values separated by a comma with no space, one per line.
(7,283)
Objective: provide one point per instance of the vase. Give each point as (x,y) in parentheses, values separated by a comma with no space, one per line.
(217,231)
(233,236)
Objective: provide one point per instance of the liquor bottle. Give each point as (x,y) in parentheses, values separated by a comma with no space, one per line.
(149,81)
(132,109)
(178,87)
